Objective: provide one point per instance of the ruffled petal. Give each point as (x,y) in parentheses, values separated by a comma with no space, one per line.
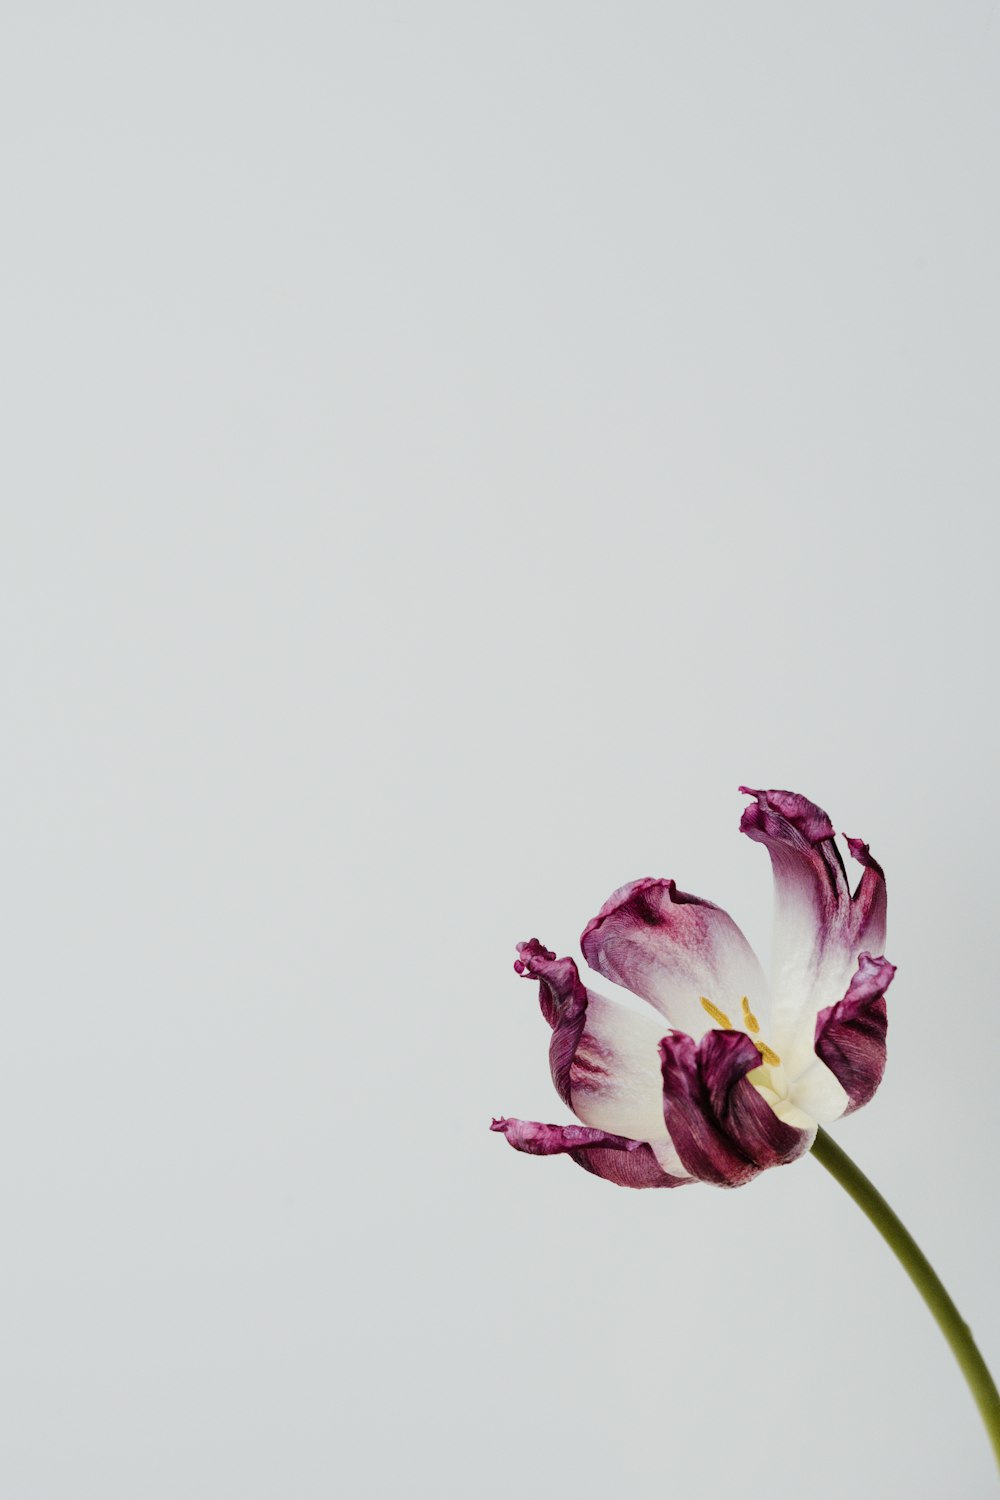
(563,999)
(869,900)
(820,928)
(604,1058)
(724,1131)
(850,1036)
(672,948)
(615,1157)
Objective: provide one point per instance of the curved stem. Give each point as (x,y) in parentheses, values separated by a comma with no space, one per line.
(924,1277)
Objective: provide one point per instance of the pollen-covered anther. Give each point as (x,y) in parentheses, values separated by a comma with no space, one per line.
(751,1020)
(767,1053)
(718,1016)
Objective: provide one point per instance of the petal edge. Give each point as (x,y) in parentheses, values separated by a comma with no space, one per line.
(616,1158)
(850,1036)
(820,926)
(670,948)
(725,1132)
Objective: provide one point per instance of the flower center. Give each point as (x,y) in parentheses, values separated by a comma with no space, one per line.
(751,1023)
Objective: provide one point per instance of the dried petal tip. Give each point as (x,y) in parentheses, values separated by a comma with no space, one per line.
(528,955)
(617,1158)
(774,808)
(820,926)
(861,852)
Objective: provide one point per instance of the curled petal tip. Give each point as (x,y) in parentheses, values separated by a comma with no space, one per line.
(775,811)
(562,998)
(529,956)
(638,897)
(872,970)
(500,1124)
(861,852)
(618,1158)
(821,925)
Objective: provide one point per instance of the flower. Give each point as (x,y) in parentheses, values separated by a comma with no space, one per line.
(742,1079)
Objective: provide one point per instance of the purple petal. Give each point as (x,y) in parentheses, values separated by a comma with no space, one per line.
(869,900)
(563,1000)
(820,928)
(615,1157)
(850,1036)
(672,948)
(724,1130)
(777,811)
(604,1058)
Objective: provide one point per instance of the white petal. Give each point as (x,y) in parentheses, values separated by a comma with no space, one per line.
(666,1154)
(617,1083)
(791,1114)
(820,928)
(819,1093)
(671,948)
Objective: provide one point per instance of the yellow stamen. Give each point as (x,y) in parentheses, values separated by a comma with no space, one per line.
(717,1014)
(768,1055)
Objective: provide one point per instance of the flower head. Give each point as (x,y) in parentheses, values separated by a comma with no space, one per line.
(723,1076)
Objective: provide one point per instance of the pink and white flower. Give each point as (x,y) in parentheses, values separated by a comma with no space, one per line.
(723,1076)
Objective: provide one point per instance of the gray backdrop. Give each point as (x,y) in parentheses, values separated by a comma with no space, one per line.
(448,448)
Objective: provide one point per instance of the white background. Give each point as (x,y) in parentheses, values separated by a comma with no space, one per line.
(448,447)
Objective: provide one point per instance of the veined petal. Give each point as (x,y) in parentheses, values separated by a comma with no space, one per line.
(563,1001)
(626,1162)
(672,948)
(604,1058)
(820,928)
(850,1036)
(869,900)
(724,1131)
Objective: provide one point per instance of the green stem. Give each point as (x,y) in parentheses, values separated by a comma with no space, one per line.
(923,1276)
